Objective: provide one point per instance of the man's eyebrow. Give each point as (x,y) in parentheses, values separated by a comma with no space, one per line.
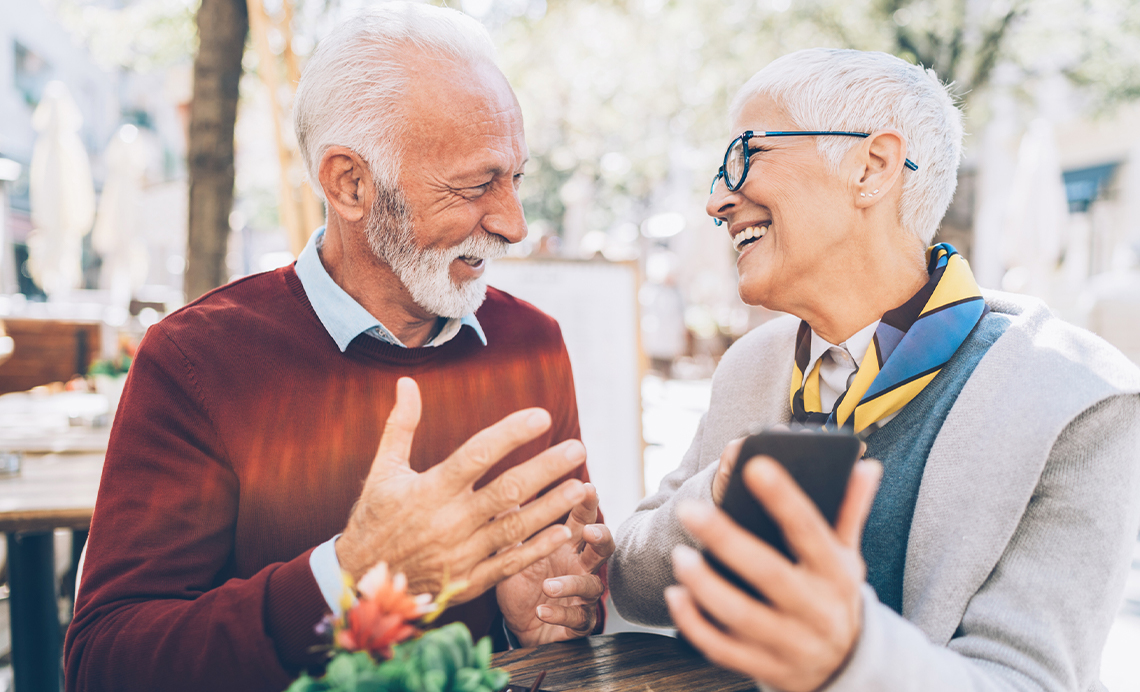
(496,169)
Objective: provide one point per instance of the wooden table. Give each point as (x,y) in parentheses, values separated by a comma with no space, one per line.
(623,662)
(52,491)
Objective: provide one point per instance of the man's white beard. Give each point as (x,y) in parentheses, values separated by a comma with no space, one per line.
(426,273)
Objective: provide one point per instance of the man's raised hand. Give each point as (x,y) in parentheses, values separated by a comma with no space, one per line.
(434,524)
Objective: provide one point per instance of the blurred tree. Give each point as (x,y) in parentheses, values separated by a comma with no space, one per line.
(625,100)
(961,40)
(1103,50)
(222,28)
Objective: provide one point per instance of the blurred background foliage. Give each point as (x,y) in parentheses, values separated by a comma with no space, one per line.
(625,100)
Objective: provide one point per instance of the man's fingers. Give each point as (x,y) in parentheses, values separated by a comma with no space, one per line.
(599,547)
(588,587)
(486,447)
(861,489)
(512,528)
(805,530)
(580,618)
(519,484)
(510,562)
(585,512)
(396,441)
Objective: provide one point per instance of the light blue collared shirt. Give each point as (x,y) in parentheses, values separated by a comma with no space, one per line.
(345,319)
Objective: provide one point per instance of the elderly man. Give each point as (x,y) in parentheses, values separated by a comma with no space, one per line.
(243,473)
(997,547)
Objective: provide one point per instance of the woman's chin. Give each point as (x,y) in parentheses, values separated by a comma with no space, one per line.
(755,293)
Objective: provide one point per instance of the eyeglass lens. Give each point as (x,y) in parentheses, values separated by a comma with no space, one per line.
(734,162)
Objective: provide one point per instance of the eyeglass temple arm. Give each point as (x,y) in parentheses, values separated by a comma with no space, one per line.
(718,176)
(861,135)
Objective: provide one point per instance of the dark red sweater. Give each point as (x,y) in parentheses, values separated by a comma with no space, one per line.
(242,440)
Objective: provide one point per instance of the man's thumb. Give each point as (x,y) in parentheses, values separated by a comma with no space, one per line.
(396,442)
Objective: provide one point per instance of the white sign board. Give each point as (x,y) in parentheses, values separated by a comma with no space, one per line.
(595,303)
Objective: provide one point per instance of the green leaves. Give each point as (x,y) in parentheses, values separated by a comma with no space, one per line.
(442,660)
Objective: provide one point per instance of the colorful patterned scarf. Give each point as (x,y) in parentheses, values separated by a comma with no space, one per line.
(911,345)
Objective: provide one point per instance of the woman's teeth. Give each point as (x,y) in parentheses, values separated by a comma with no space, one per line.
(748,235)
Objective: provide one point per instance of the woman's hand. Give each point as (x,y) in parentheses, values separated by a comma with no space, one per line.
(724,469)
(803,635)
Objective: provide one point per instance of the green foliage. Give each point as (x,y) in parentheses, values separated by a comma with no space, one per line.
(113,367)
(442,660)
(142,35)
(648,82)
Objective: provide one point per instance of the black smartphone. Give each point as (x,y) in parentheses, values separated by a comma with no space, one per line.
(820,462)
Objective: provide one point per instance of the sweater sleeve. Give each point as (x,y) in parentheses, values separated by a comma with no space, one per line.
(1041,619)
(160,607)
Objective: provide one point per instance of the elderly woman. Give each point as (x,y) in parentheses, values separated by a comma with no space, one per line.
(995,551)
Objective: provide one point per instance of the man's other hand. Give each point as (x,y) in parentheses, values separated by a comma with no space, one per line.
(803,635)
(556,598)
(434,525)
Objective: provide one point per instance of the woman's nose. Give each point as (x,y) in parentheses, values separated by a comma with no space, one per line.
(721,201)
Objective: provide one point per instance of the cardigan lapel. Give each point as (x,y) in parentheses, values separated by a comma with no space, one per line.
(983,468)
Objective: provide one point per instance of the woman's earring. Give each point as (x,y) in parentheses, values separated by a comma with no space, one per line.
(718,222)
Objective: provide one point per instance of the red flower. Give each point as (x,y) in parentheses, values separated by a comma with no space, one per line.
(383,615)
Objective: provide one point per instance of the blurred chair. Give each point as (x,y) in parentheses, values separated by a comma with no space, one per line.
(7,345)
(46,351)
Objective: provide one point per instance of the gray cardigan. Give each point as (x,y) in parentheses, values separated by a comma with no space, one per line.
(1022,534)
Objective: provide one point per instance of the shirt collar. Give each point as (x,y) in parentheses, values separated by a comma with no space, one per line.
(344,318)
(856,346)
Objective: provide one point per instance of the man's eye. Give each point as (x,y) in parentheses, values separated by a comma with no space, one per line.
(518,179)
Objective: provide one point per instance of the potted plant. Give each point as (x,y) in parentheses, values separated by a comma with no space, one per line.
(380,644)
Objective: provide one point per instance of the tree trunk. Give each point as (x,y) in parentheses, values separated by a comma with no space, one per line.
(222,28)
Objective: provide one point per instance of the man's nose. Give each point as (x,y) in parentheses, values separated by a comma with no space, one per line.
(721,201)
(505,216)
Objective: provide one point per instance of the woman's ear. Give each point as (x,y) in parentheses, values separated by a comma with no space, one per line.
(347,183)
(879,163)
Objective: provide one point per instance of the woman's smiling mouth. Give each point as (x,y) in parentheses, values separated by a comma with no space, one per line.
(749,235)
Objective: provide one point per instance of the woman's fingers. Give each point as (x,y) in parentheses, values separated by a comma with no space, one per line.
(724,469)
(861,489)
(758,563)
(718,647)
(805,530)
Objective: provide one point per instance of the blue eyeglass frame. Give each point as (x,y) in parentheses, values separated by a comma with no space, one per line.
(749,134)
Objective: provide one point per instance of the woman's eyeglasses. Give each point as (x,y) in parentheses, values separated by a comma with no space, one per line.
(734,170)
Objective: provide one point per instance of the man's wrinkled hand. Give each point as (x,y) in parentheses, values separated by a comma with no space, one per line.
(802,636)
(434,526)
(556,598)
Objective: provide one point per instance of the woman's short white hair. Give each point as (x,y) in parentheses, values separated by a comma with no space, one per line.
(351,90)
(859,91)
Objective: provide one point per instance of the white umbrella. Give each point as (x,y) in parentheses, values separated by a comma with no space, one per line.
(62,193)
(116,234)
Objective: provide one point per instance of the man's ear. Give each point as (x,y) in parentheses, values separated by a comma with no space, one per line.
(879,163)
(347,183)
